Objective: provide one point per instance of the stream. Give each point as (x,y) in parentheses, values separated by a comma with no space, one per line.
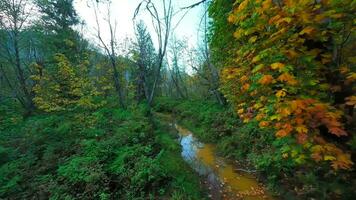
(220,176)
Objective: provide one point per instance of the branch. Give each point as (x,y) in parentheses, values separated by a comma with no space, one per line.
(194,5)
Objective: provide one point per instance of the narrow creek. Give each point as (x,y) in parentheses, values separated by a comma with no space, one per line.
(220,175)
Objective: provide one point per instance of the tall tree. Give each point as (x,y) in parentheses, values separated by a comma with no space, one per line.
(58,17)
(14,16)
(145,59)
(177,50)
(110,48)
(162,24)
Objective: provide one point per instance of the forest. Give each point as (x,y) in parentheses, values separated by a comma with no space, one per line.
(261,106)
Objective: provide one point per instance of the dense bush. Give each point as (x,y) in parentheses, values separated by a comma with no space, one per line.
(104,154)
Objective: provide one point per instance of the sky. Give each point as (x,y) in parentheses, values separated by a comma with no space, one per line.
(123,10)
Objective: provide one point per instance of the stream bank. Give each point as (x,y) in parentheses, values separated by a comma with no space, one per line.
(220,175)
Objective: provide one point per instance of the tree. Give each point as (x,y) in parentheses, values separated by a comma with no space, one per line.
(110,49)
(64,87)
(145,59)
(177,50)
(58,17)
(286,60)
(14,16)
(162,23)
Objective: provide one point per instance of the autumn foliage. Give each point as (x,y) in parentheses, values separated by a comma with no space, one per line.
(293,72)
(64,86)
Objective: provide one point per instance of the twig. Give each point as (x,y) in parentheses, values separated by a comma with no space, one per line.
(194,5)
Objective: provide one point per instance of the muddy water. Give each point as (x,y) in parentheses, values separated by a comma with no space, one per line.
(221,177)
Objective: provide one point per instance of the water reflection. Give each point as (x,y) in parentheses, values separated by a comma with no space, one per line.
(221,177)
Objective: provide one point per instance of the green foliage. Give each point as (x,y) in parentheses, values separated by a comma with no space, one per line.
(206,119)
(276,161)
(99,154)
(10,114)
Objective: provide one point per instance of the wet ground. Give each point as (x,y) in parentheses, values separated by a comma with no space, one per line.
(220,176)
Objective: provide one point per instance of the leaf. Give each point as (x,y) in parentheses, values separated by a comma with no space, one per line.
(243,5)
(301,129)
(337,131)
(343,161)
(256,59)
(264,124)
(286,77)
(281,133)
(274,19)
(351,101)
(302,138)
(257,68)
(281,93)
(326,158)
(245,87)
(284,111)
(252,39)
(351,77)
(308,30)
(277,65)
(266,80)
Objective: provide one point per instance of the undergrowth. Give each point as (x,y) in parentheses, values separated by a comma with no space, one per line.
(256,148)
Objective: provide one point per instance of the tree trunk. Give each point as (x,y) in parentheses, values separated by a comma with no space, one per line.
(21,76)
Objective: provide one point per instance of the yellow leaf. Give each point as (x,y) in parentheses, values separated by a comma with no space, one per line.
(252,39)
(281,93)
(231,18)
(243,5)
(257,68)
(277,65)
(301,129)
(351,101)
(285,155)
(256,59)
(329,158)
(308,30)
(351,76)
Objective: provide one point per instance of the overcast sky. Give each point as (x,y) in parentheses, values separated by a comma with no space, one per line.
(123,11)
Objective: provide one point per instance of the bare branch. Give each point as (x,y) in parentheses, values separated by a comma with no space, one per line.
(194,5)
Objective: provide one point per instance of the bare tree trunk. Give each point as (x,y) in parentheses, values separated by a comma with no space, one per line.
(110,51)
(162,29)
(16,14)
(21,76)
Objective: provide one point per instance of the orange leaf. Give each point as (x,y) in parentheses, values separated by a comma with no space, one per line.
(281,133)
(264,124)
(343,161)
(286,77)
(245,87)
(266,79)
(337,131)
(308,30)
(302,138)
(284,111)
